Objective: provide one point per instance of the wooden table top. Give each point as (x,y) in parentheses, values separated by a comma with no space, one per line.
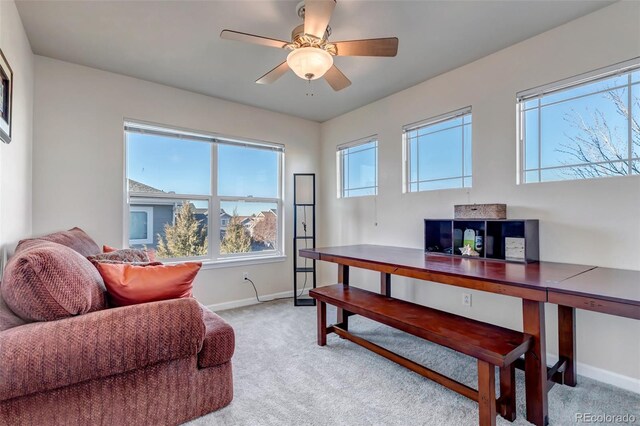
(617,285)
(606,290)
(407,260)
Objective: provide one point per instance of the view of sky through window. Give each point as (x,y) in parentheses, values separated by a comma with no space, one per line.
(184,167)
(247,172)
(585,131)
(359,169)
(170,164)
(439,154)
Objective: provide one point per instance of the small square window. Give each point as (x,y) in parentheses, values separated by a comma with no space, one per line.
(438,152)
(358,168)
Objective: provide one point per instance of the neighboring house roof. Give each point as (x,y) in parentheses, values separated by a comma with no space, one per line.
(135,186)
(267,212)
(243,219)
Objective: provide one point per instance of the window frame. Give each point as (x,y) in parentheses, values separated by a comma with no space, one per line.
(406,150)
(340,155)
(540,92)
(213,257)
(149,211)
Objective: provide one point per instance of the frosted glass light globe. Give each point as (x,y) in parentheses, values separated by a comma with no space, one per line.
(310,63)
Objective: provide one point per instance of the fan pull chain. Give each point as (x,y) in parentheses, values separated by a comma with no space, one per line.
(310,92)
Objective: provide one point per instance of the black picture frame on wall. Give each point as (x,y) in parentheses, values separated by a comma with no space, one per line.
(6,98)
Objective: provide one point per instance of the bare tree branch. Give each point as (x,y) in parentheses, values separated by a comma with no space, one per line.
(599,146)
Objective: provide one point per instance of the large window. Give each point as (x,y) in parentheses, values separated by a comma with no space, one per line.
(583,127)
(199,196)
(358,168)
(438,152)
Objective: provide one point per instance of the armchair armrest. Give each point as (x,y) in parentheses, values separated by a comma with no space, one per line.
(48,355)
(219,341)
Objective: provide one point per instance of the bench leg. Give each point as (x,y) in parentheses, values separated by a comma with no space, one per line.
(486,393)
(342,316)
(508,392)
(322,323)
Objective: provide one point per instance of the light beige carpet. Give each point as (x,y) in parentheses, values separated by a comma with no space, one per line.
(282,377)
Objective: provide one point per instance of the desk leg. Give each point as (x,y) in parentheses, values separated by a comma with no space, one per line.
(385,284)
(567,342)
(535,363)
(343,277)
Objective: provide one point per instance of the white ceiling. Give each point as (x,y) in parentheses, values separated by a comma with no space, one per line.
(177,43)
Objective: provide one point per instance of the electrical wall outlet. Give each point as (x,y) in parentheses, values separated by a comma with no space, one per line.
(466,299)
(245,276)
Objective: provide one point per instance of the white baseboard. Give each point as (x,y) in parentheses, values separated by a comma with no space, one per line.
(601,375)
(251,301)
(609,377)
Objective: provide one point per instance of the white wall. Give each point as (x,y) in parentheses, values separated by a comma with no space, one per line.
(593,222)
(78,158)
(15,158)
(78,169)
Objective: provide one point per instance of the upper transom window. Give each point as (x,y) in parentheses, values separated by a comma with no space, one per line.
(358,168)
(582,127)
(438,152)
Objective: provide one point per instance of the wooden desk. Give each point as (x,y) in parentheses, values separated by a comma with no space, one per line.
(606,290)
(528,282)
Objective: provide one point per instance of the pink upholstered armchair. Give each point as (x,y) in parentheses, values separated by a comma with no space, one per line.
(155,363)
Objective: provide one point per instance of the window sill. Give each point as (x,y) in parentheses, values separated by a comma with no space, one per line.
(231,263)
(351,197)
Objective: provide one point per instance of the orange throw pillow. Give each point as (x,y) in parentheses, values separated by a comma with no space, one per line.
(129,284)
(150,252)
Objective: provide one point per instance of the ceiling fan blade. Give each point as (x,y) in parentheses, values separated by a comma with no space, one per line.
(317,14)
(371,47)
(250,38)
(336,79)
(274,74)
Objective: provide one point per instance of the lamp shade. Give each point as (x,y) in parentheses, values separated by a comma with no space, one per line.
(310,63)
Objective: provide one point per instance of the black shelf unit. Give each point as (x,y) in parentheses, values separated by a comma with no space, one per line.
(303,267)
(446,237)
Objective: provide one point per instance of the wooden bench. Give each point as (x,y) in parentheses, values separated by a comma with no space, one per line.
(491,345)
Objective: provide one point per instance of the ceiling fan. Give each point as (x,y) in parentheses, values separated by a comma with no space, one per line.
(311,53)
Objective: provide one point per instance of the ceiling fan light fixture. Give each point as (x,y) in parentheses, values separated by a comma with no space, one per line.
(310,63)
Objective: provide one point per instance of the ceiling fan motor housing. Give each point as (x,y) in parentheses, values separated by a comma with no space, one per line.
(299,30)
(299,39)
(310,52)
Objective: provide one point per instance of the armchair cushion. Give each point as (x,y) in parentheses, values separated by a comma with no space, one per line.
(48,281)
(151,253)
(129,284)
(122,255)
(8,319)
(75,238)
(49,355)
